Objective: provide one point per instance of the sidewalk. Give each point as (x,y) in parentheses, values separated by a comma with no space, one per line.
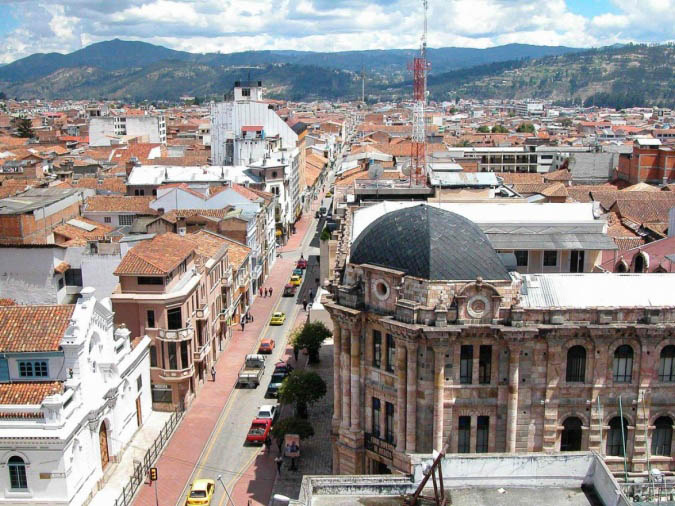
(301,227)
(185,448)
(136,449)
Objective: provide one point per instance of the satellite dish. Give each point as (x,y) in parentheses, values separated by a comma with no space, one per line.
(375,171)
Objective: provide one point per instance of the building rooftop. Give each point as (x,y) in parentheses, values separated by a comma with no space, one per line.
(34,198)
(157,257)
(33,328)
(29,392)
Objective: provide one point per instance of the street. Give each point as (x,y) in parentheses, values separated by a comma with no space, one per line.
(225,453)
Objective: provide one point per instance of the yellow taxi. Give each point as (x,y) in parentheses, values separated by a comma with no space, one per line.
(201,493)
(295,280)
(278,318)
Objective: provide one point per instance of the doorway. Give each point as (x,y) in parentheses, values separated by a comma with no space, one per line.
(103,445)
(577,261)
(570,440)
(139,415)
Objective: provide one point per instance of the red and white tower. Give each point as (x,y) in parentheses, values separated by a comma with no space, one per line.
(419,67)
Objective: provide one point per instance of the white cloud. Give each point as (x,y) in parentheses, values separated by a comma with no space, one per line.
(326,25)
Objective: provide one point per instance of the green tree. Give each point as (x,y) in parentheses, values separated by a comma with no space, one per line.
(325,234)
(292,425)
(484,129)
(463,144)
(311,336)
(499,129)
(525,127)
(302,388)
(24,127)
(566,122)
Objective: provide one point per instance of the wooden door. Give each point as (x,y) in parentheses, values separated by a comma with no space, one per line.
(103,444)
(139,415)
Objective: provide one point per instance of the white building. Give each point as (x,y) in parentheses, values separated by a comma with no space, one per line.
(74,391)
(112,130)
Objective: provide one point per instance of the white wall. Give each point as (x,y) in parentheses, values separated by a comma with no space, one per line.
(26,275)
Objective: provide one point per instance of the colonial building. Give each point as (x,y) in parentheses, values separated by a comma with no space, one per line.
(437,343)
(73,392)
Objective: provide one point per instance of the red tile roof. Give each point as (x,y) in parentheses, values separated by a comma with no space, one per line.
(33,392)
(157,257)
(72,235)
(115,203)
(33,328)
(245,192)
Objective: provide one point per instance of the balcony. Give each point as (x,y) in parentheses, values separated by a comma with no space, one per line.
(226,280)
(224,315)
(201,352)
(177,374)
(176,334)
(202,312)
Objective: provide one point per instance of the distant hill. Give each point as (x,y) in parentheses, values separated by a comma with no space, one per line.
(125,69)
(615,76)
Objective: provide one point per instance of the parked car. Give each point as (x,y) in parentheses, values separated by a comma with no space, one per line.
(278,318)
(296,280)
(201,493)
(302,263)
(275,382)
(259,431)
(266,346)
(298,272)
(289,290)
(268,412)
(283,367)
(252,370)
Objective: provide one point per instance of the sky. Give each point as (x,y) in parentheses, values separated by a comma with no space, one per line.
(32,26)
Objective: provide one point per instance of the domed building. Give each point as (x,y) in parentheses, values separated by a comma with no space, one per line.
(439,346)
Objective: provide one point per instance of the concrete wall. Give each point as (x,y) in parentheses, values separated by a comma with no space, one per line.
(27,275)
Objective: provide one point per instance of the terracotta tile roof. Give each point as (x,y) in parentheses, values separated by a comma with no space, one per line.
(529,188)
(115,203)
(72,235)
(111,184)
(7,302)
(62,267)
(157,257)
(186,188)
(141,151)
(626,243)
(33,392)
(33,328)
(269,197)
(173,215)
(644,211)
(669,188)
(555,190)
(558,175)
(641,187)
(245,192)
(237,253)
(208,243)
(520,177)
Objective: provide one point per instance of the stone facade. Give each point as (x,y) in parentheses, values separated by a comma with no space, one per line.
(422,365)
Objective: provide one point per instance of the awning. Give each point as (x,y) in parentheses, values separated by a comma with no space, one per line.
(508,241)
(61,268)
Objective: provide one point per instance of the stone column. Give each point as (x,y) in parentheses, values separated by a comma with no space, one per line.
(400,395)
(337,376)
(439,396)
(346,389)
(355,379)
(512,405)
(411,408)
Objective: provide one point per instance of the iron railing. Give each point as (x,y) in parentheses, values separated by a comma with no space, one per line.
(142,468)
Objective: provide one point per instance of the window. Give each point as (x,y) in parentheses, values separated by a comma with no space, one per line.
(73,277)
(623,364)
(550,258)
(576,364)
(389,422)
(376,417)
(465,364)
(521,258)
(577,261)
(184,355)
(126,219)
(377,348)
(464,435)
(107,219)
(484,364)
(616,441)
(60,283)
(17,473)
(482,434)
(173,358)
(153,356)
(160,394)
(245,92)
(391,352)
(662,436)
(639,263)
(33,369)
(139,383)
(174,319)
(570,440)
(144,280)
(667,364)
(151,318)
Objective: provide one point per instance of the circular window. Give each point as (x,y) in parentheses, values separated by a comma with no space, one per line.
(381,289)
(478,306)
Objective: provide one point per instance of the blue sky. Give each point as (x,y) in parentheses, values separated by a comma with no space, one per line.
(30,26)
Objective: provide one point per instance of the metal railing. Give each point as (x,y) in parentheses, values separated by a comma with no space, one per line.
(142,468)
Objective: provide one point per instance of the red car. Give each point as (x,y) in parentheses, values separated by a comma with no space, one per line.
(259,431)
(302,264)
(266,346)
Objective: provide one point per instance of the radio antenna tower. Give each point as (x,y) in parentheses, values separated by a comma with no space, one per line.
(419,67)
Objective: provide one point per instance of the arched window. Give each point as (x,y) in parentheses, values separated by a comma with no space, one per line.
(662,436)
(639,263)
(576,364)
(621,266)
(623,364)
(615,443)
(571,435)
(17,473)
(667,364)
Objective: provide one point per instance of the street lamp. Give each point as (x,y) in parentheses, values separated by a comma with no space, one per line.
(229,498)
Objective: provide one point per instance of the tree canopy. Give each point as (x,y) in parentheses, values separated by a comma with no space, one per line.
(525,127)
(292,425)
(311,336)
(302,388)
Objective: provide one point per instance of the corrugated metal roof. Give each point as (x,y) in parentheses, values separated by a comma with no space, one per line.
(597,241)
(464,179)
(597,290)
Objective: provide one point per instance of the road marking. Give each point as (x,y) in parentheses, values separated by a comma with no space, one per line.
(239,474)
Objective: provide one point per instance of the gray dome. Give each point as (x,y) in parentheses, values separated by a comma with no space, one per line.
(429,243)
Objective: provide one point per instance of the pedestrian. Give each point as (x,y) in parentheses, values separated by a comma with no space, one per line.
(265,292)
(250,316)
(311,295)
(279,443)
(213,373)
(293,466)
(260,291)
(268,443)
(304,304)
(278,461)
(296,352)
(270,291)
(242,324)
